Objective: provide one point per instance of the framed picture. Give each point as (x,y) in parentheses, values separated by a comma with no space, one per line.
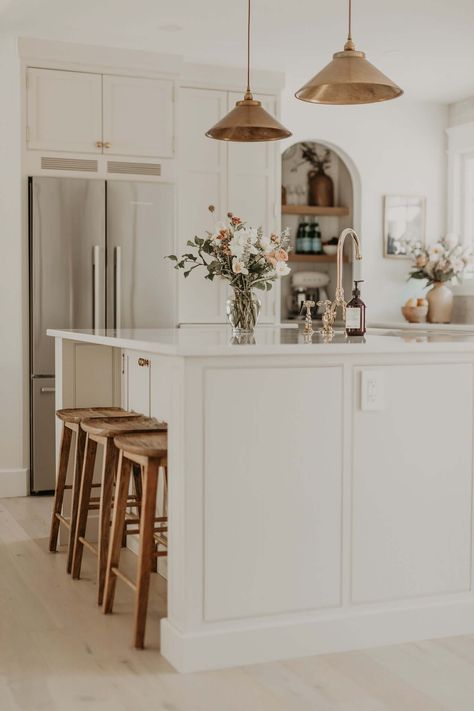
(403,222)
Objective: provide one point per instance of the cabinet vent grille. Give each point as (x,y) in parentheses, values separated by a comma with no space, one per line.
(118,166)
(89,166)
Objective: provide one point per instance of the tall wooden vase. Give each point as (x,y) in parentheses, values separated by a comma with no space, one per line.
(320,189)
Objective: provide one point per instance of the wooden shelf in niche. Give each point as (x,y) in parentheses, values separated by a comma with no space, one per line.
(321,258)
(311,210)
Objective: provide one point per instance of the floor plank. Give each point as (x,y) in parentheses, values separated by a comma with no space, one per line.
(59,653)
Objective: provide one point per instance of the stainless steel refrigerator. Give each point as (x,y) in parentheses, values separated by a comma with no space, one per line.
(96,261)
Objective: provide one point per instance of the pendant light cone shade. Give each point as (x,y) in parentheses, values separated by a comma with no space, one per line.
(349,79)
(248,122)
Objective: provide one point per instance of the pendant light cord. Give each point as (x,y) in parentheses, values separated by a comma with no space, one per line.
(349,43)
(248,49)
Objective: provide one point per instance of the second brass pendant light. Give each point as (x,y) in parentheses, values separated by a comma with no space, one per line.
(348,79)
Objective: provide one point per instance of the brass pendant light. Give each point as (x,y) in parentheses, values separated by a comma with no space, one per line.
(349,79)
(248,121)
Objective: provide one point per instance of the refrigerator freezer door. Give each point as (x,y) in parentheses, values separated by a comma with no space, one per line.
(42,466)
(67,261)
(140,233)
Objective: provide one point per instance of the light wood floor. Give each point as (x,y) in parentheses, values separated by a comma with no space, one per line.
(58,652)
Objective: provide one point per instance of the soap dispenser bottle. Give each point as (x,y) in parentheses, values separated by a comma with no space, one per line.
(355,313)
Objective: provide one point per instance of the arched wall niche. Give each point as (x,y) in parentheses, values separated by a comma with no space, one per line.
(347,194)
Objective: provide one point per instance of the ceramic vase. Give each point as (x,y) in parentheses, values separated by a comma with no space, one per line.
(243,310)
(320,189)
(440,303)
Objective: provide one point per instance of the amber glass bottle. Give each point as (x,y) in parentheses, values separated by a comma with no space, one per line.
(355,313)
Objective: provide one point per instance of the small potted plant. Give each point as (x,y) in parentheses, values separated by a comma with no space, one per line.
(439,264)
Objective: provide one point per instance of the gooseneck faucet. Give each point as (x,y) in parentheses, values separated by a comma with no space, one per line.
(339,300)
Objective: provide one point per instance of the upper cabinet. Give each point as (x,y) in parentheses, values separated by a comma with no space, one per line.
(237,177)
(64,111)
(93,113)
(138,116)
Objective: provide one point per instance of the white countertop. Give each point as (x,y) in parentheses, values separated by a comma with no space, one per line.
(269,340)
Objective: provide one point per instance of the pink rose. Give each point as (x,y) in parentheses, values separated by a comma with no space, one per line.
(281,255)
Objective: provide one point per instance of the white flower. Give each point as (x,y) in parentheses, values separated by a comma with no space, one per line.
(238,267)
(458,265)
(451,240)
(282,268)
(267,244)
(236,249)
(435,252)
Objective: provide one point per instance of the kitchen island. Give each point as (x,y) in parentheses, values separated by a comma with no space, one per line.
(320,494)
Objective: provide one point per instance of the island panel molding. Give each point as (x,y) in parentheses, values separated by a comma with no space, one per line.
(250,506)
(352,516)
(431,553)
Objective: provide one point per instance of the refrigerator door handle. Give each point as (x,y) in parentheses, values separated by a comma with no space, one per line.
(47,390)
(96,287)
(117,287)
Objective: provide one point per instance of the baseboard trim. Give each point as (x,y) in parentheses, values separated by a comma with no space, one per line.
(354,630)
(13,482)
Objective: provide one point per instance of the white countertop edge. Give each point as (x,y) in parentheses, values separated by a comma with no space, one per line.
(405,325)
(375,344)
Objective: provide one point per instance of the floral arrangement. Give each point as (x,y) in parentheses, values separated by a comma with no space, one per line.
(242,255)
(441,261)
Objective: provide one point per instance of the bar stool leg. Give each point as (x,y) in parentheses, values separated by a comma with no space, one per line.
(118,522)
(64,451)
(83,504)
(108,477)
(76,487)
(146,548)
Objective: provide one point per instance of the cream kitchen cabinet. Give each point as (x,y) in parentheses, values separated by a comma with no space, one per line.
(241,178)
(138,116)
(136,380)
(64,111)
(96,113)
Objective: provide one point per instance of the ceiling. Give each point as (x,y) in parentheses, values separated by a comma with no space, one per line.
(425,46)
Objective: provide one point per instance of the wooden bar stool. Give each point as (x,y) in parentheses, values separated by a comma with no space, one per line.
(102,432)
(71,419)
(150,451)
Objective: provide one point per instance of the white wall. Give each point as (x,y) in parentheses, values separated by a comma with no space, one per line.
(13,309)
(398,147)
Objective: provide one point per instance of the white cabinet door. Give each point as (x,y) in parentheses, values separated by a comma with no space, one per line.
(253,190)
(202,183)
(138,378)
(64,111)
(138,116)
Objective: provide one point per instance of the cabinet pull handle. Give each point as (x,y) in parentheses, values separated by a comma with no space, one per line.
(106,144)
(48,390)
(144,362)
(99,144)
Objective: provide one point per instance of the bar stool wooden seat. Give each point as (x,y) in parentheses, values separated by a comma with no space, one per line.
(102,432)
(150,451)
(71,419)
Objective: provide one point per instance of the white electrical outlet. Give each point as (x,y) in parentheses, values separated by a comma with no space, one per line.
(372,390)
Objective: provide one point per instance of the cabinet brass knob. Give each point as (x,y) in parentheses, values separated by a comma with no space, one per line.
(144,362)
(106,144)
(99,144)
